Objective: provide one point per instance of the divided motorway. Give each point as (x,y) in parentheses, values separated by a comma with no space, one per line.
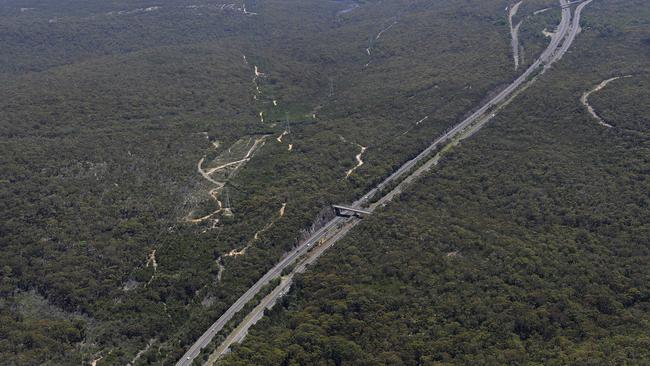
(339,226)
(274,272)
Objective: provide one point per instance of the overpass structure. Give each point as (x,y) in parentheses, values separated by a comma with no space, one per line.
(349,211)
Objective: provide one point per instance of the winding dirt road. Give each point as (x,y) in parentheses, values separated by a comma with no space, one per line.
(585,99)
(207,174)
(359,162)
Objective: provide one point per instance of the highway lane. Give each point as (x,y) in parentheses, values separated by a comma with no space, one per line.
(545,57)
(274,272)
(237,335)
(574,30)
(550,54)
(565,22)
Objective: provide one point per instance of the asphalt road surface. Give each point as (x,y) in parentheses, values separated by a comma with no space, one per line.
(274,272)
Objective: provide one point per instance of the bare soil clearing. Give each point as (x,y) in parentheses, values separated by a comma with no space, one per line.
(514,33)
(359,161)
(227,164)
(585,99)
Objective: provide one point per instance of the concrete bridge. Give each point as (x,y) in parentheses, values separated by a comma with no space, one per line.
(349,211)
(568,5)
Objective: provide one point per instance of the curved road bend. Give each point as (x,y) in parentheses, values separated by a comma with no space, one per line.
(550,55)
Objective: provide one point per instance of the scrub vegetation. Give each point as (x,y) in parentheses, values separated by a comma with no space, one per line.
(106,109)
(529,237)
(527,245)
